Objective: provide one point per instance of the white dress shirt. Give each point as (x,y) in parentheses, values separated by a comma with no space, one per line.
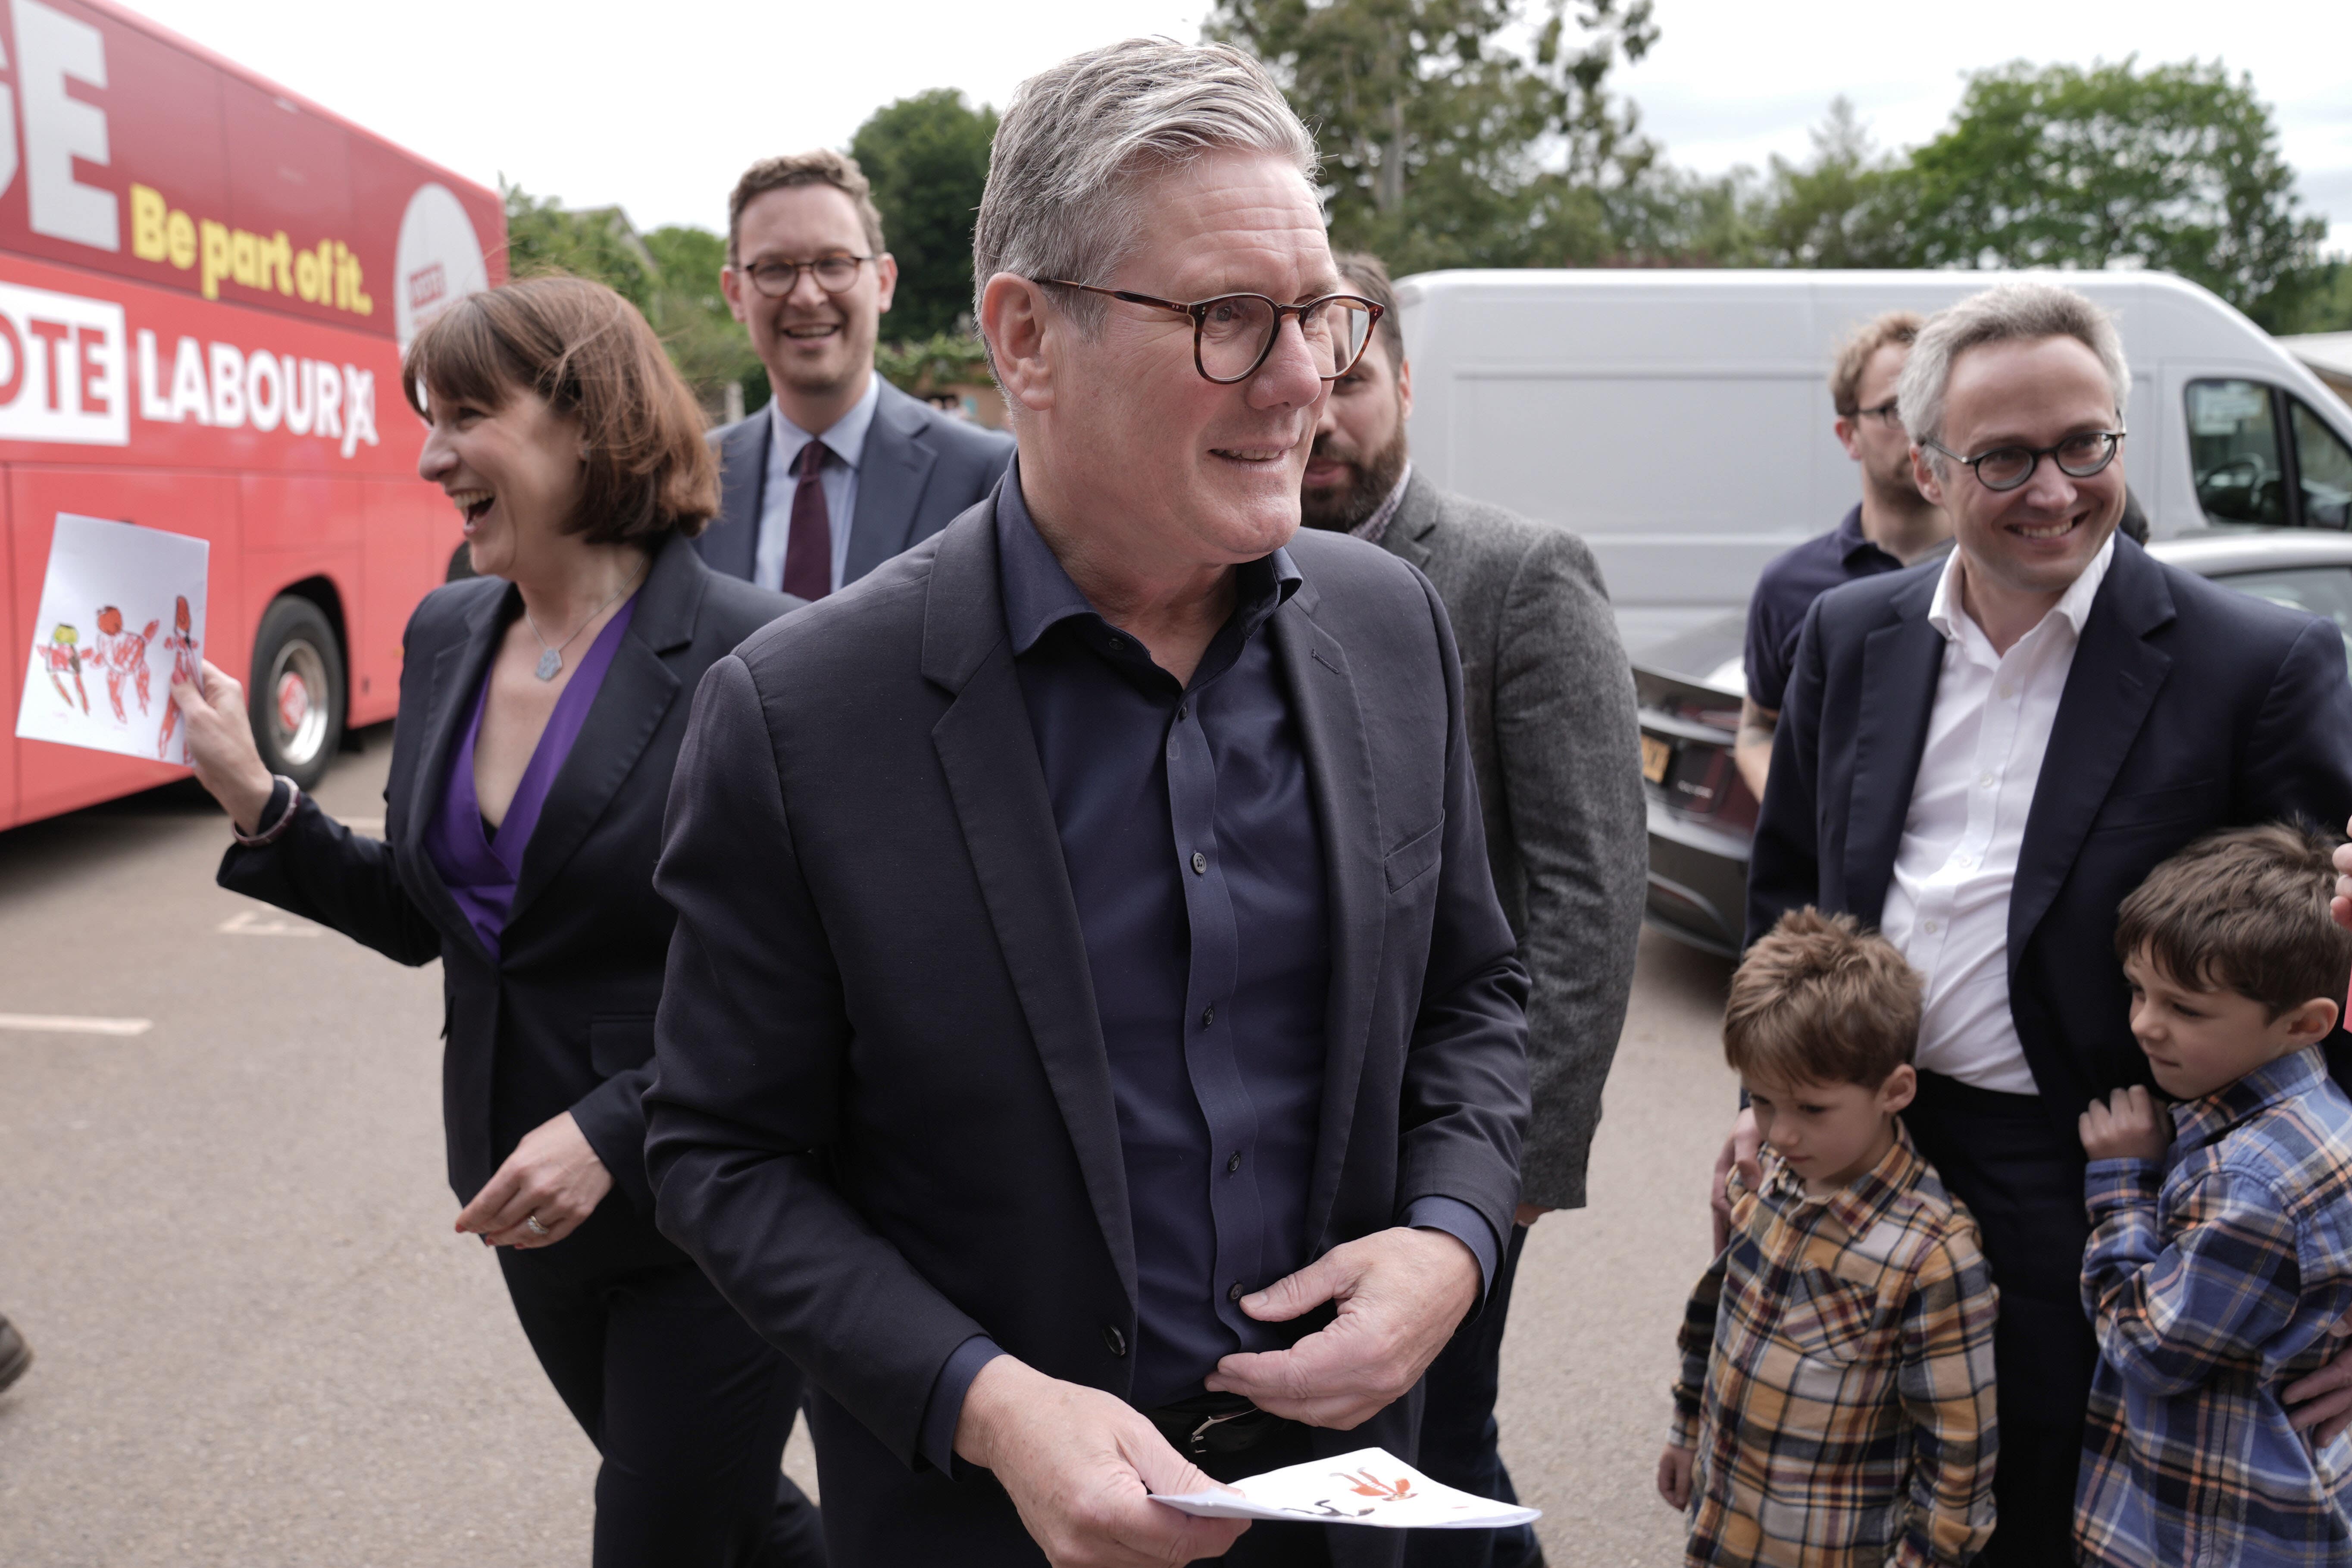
(847,441)
(1948,907)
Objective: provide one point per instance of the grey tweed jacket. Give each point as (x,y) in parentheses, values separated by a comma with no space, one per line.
(1549,694)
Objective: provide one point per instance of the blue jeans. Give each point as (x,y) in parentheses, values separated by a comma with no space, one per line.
(1458,1436)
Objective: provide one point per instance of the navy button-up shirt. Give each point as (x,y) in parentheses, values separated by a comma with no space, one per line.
(1787,589)
(1190,841)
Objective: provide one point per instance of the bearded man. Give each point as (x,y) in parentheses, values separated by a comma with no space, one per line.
(1556,749)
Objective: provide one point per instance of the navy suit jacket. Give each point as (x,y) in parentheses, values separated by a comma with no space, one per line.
(920,468)
(2191,706)
(882,1117)
(562,1018)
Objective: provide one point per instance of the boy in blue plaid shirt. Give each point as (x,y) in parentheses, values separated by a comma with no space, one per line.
(2220,1263)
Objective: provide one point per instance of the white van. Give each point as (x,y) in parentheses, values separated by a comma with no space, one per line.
(1680,420)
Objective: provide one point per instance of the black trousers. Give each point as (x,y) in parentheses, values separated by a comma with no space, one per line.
(689,1408)
(2001,1155)
(1459,1438)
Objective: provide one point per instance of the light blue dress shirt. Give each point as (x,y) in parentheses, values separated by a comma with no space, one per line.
(847,441)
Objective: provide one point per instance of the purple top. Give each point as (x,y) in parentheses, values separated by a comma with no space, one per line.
(480,869)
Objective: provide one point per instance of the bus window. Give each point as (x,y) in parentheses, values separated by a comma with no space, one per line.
(2324,467)
(2233,449)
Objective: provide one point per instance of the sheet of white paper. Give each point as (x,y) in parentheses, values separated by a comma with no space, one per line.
(122,617)
(1370,1485)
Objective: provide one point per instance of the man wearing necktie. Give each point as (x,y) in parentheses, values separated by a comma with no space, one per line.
(841,470)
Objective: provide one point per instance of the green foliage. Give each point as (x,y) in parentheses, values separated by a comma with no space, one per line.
(1840,208)
(1446,145)
(2176,168)
(943,359)
(2326,305)
(927,158)
(542,237)
(687,309)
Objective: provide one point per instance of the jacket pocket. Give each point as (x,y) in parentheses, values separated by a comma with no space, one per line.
(2152,808)
(617,1044)
(1414,859)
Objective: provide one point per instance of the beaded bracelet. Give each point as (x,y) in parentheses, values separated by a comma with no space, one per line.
(270,834)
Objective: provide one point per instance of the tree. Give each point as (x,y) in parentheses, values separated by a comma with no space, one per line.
(2177,167)
(542,235)
(707,344)
(1842,207)
(1443,143)
(927,158)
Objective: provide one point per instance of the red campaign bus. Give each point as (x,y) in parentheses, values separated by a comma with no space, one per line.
(205,284)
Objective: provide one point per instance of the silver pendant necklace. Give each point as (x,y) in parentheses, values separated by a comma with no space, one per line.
(551,660)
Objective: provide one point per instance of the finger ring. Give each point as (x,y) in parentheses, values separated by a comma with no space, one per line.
(536,1228)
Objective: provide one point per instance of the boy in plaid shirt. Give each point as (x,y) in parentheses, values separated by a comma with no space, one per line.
(1835,1408)
(2220,1256)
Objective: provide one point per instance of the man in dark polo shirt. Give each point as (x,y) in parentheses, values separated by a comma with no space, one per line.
(1893,526)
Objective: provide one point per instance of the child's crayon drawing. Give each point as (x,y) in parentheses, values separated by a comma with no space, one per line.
(104,600)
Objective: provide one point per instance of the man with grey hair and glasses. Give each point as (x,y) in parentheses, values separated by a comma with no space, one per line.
(1982,757)
(1093,1048)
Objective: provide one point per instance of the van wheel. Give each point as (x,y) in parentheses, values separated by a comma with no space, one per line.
(296,696)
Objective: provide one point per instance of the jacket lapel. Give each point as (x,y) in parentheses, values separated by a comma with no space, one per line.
(1346,806)
(1901,664)
(1415,520)
(990,757)
(458,672)
(628,708)
(896,466)
(2109,690)
(732,545)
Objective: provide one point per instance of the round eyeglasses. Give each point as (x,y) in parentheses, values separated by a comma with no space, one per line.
(2006,467)
(1233,334)
(835,274)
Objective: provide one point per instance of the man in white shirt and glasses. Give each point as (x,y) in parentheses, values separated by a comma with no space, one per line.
(1983,756)
(841,470)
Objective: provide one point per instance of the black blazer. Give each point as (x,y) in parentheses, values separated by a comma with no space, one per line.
(882,1119)
(564,1019)
(920,469)
(2190,707)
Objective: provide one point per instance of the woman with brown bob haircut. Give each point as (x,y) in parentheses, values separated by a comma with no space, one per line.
(541,705)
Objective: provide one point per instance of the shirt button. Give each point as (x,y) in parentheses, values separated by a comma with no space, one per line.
(1931,927)
(1200,864)
(1233,1291)
(1233,1164)
(1180,712)
(2009,691)
(1115,645)
(1208,1015)
(1113,1340)
(1985,780)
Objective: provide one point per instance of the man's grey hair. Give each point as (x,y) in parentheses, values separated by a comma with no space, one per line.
(1079,141)
(2007,312)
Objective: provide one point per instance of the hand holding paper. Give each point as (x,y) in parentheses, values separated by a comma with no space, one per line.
(1370,1485)
(1081,1465)
(1400,1294)
(99,642)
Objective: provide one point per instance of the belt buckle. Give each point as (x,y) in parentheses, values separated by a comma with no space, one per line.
(1199,1441)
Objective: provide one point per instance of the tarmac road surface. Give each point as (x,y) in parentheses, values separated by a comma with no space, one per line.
(224,1228)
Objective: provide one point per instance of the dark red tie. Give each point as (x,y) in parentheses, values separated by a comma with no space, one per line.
(808,550)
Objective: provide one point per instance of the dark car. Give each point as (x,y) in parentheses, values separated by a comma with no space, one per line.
(1701,814)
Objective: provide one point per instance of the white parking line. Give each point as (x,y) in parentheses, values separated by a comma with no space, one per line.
(47,1023)
(253,923)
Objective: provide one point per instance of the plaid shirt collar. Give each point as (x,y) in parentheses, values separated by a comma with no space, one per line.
(2200,1122)
(1858,1205)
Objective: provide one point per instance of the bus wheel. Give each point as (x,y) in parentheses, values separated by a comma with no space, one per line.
(296,695)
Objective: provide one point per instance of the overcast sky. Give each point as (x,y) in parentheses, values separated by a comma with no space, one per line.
(658,106)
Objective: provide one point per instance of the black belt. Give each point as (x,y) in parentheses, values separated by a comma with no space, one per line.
(1214,1424)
